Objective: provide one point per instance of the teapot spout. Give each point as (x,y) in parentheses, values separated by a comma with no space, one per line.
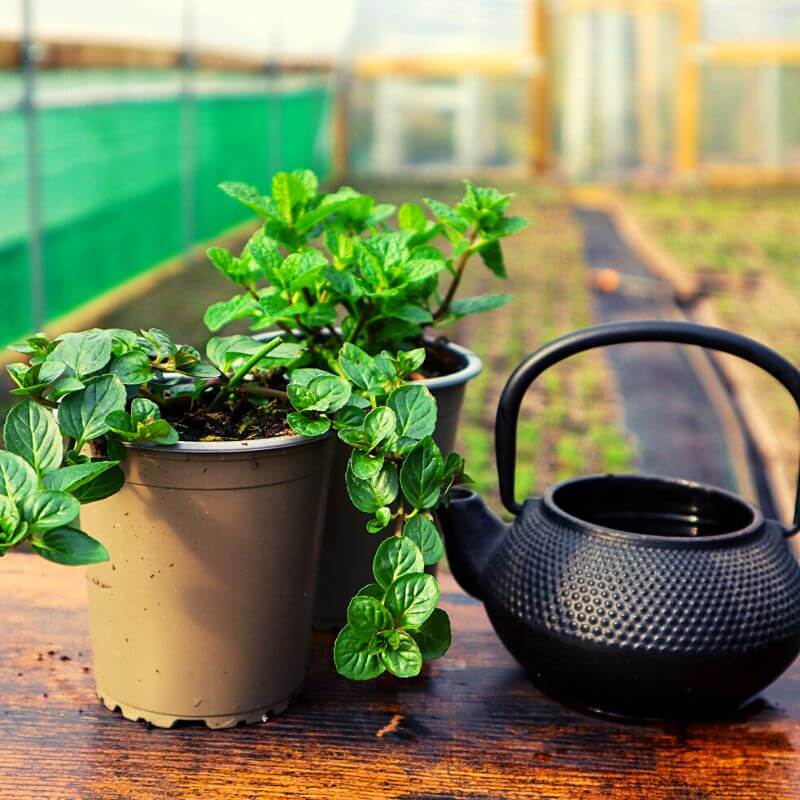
(472,533)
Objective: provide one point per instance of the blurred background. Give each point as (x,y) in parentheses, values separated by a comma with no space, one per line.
(655,144)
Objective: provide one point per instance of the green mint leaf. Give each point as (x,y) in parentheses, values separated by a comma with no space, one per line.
(67,479)
(492,256)
(379,213)
(188,361)
(354,658)
(383,516)
(411,217)
(309,181)
(355,438)
(63,386)
(122,340)
(144,411)
(84,353)
(101,486)
(132,368)
(154,433)
(408,312)
(20,374)
(423,533)
(409,361)
(379,425)
(17,476)
(15,537)
(327,393)
(240,306)
(421,474)
(411,599)
(305,375)
(370,495)
(48,509)
(33,345)
(257,262)
(434,636)
(404,659)
(364,465)
(395,557)
(371,590)
(52,369)
(119,422)
(506,226)
(288,192)
(478,305)
(224,351)
(82,415)
(366,615)
(320,315)
(163,346)
(69,546)
(420,269)
(415,409)
(158,431)
(447,216)
(359,367)
(9,518)
(385,364)
(453,472)
(309,219)
(308,424)
(31,431)
(351,415)
(250,197)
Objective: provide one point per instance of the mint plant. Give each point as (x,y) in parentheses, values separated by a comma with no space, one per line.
(83,396)
(331,268)
(353,285)
(396,473)
(356,280)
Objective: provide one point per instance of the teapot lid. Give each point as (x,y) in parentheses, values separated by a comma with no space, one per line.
(652,508)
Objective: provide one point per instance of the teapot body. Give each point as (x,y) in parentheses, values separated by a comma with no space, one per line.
(633,594)
(645,596)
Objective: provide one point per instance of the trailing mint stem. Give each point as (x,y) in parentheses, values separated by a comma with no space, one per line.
(397,474)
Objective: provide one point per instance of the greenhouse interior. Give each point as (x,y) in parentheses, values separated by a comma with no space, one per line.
(254,253)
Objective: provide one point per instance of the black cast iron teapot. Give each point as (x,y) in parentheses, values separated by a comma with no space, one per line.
(631,594)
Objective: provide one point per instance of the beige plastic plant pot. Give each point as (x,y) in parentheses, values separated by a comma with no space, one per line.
(347,548)
(204,611)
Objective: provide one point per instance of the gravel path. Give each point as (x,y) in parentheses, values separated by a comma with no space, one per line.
(666,402)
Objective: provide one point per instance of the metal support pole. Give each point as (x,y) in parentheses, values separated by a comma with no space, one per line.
(540,99)
(188,134)
(275,155)
(688,110)
(28,106)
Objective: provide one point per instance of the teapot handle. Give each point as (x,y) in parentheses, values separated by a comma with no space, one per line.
(619,333)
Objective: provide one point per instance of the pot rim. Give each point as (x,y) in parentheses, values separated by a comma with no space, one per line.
(472,364)
(593,528)
(239,446)
(472,367)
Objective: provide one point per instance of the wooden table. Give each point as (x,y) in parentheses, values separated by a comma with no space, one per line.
(472,727)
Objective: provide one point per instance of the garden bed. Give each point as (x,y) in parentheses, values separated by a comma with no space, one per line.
(741,249)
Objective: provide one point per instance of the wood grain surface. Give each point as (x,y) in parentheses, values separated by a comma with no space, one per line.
(470,727)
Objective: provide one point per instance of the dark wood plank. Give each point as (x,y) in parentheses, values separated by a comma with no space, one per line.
(471,727)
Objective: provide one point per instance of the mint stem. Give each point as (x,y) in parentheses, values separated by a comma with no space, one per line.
(459,272)
(240,373)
